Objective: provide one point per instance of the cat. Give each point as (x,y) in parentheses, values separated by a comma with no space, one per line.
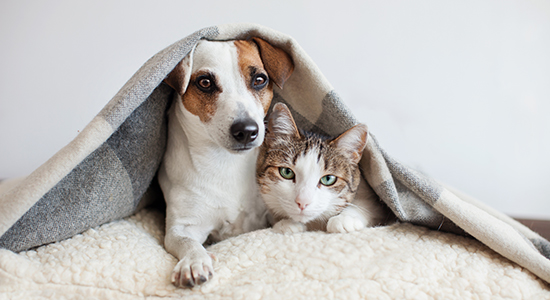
(310,182)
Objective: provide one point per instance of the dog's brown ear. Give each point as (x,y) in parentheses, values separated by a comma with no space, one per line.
(178,78)
(277,62)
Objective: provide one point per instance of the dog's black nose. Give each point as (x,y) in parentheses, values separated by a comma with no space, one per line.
(244,131)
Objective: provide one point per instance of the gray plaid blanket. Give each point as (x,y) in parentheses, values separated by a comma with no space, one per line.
(108,171)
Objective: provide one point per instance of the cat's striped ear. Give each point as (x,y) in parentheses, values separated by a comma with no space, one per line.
(281,123)
(353,141)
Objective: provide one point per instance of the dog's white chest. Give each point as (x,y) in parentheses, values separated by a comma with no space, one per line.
(219,195)
(238,207)
(235,221)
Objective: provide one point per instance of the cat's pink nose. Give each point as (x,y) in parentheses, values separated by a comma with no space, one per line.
(302,204)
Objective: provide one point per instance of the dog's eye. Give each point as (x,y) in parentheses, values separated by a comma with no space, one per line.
(259,81)
(205,83)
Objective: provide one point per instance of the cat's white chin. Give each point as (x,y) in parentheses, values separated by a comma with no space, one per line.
(302,218)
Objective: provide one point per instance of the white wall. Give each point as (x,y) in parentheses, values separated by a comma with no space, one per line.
(458,89)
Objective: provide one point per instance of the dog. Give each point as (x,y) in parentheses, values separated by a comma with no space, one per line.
(223,90)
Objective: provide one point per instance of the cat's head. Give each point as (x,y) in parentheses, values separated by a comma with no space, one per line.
(304,176)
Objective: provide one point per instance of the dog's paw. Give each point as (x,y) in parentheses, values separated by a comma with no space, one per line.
(342,223)
(194,269)
(289,226)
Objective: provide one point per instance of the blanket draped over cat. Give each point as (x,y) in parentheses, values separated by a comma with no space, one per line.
(108,171)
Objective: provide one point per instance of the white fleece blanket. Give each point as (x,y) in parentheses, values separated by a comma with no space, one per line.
(126,260)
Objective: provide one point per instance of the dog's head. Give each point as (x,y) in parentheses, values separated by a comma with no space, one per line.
(226,88)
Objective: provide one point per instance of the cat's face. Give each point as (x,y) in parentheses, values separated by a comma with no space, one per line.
(306,177)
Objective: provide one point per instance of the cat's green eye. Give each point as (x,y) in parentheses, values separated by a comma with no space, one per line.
(286,173)
(328,180)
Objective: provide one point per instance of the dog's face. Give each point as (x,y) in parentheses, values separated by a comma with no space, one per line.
(226,89)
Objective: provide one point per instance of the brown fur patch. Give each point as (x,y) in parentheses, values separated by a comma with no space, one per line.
(277,62)
(199,103)
(251,64)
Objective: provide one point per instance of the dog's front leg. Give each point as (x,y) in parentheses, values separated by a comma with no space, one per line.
(195,263)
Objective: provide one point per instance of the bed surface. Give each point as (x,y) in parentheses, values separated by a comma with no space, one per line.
(126,260)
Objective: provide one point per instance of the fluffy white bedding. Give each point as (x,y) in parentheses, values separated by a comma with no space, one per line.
(126,260)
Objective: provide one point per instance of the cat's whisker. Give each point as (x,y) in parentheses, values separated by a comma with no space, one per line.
(362,209)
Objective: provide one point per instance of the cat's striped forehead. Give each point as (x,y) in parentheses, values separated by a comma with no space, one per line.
(309,146)
(289,150)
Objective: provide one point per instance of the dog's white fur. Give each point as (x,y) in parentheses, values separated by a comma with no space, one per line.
(207,178)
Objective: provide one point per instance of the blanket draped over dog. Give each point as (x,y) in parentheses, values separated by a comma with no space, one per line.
(108,171)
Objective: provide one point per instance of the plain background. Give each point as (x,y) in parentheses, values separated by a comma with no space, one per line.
(457,89)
